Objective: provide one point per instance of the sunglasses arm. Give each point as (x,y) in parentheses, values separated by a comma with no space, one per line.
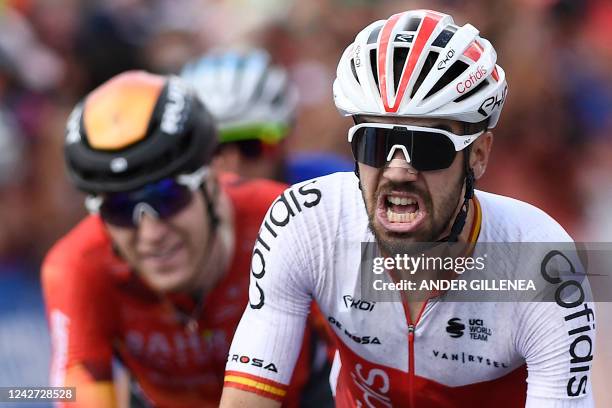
(461,142)
(194,180)
(93,203)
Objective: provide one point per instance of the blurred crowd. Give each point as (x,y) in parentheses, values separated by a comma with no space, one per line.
(553,145)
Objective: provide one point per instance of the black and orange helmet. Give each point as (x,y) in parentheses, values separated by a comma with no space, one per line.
(137,128)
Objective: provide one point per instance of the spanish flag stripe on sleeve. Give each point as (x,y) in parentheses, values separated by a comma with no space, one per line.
(257,385)
(477,224)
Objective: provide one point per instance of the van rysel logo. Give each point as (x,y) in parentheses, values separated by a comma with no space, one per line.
(467,358)
(455,328)
(279,215)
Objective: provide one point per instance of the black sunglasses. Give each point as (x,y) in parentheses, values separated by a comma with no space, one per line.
(425,148)
(163,199)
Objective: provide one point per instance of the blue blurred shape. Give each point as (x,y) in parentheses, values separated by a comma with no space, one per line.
(305,166)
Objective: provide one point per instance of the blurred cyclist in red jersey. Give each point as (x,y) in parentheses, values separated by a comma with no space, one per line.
(156,278)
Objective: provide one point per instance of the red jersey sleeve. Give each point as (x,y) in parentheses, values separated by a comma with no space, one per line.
(78,305)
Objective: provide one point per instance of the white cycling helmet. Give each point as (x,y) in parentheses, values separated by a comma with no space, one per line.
(420,64)
(249,97)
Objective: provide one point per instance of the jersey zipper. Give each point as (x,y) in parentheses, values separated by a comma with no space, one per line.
(411,364)
(473,237)
(411,356)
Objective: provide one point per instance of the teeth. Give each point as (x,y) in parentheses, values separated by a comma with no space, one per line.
(400,217)
(395,217)
(394,200)
(400,200)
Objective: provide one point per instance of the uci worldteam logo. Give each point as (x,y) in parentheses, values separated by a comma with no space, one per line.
(455,327)
(476,329)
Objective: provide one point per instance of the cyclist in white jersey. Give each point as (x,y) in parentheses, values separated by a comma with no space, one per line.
(424,94)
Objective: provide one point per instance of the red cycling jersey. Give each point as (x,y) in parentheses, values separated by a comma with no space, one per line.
(98,308)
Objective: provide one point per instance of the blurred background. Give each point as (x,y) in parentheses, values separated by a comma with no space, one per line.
(553,145)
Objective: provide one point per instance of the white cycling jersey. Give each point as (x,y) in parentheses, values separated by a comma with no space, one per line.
(509,354)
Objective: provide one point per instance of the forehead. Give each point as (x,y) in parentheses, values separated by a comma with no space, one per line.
(452,125)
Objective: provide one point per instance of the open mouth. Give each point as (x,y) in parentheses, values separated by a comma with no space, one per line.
(400,211)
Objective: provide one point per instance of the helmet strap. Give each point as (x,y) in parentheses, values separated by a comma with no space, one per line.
(213,217)
(461,217)
(356,171)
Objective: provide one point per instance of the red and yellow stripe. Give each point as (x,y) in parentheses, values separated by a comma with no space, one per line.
(476,223)
(257,385)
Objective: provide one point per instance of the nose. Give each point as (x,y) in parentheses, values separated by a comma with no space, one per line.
(151,229)
(399,170)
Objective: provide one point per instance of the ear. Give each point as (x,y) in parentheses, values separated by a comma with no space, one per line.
(212,183)
(479,155)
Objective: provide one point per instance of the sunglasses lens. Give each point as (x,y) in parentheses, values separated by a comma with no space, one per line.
(432,151)
(370,146)
(166,196)
(117,211)
(428,150)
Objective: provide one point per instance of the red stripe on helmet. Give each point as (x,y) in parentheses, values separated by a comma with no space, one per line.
(474,51)
(428,25)
(495,75)
(383,46)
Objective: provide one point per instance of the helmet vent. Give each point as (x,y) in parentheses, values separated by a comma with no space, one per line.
(374,35)
(413,24)
(444,37)
(354,70)
(399,60)
(240,72)
(278,99)
(427,66)
(258,91)
(374,67)
(477,88)
(451,74)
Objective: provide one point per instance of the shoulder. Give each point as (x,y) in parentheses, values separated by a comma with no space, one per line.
(250,195)
(79,254)
(314,213)
(322,202)
(336,193)
(510,220)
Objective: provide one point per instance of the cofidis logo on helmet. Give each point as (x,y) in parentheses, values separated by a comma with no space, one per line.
(472,80)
